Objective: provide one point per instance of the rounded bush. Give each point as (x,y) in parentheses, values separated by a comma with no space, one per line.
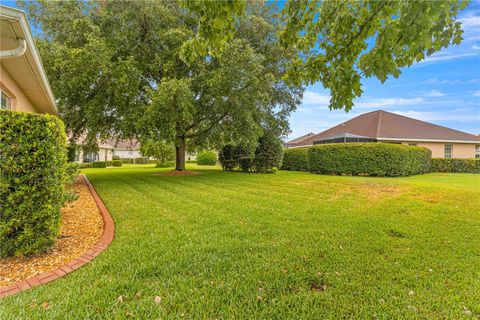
(33,178)
(117,163)
(207,158)
(268,154)
(99,164)
(374,159)
(295,159)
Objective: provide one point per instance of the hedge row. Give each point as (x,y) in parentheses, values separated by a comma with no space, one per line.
(33,179)
(100,164)
(295,159)
(455,165)
(374,159)
(138,161)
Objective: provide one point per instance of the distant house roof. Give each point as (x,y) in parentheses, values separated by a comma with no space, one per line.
(387,126)
(299,140)
(129,145)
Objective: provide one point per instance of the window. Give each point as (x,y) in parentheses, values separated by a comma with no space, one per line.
(477,151)
(448,151)
(412,144)
(6,102)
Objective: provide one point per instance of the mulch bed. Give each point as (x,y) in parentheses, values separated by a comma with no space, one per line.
(81,228)
(176,173)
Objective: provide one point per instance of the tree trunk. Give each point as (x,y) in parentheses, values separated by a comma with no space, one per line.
(180,154)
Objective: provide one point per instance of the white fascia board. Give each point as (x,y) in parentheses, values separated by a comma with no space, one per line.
(19,15)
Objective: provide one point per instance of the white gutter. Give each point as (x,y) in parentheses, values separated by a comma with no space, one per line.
(14,53)
(427,140)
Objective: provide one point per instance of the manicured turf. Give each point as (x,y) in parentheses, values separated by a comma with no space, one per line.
(286,245)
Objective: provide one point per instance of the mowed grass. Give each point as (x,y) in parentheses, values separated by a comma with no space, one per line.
(287,245)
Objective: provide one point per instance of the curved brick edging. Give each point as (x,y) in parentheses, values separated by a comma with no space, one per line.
(95,250)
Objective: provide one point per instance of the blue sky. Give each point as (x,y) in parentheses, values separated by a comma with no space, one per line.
(443,89)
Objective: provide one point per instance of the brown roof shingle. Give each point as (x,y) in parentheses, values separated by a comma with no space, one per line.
(383,125)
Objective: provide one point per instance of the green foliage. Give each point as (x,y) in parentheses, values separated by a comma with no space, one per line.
(158,149)
(33,180)
(71,152)
(268,154)
(374,159)
(167,164)
(455,165)
(115,157)
(115,69)
(207,158)
(332,38)
(295,159)
(99,164)
(117,163)
(85,165)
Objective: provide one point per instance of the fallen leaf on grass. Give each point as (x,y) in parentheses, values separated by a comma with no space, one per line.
(157,299)
(120,299)
(45,305)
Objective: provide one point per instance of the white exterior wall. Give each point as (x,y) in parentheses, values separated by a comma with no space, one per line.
(127,154)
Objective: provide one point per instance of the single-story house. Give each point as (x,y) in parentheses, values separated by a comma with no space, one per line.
(23,83)
(104,153)
(126,149)
(387,127)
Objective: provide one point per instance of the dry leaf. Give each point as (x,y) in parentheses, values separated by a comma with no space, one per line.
(157,299)
(45,305)
(411,293)
(120,299)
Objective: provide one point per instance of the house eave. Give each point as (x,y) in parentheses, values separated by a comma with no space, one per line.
(427,140)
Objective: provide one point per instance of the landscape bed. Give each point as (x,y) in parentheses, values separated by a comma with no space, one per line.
(285,245)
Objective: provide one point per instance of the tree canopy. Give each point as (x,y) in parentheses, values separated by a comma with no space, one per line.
(339,42)
(116,70)
(206,73)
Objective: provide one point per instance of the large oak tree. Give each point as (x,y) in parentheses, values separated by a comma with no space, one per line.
(116,70)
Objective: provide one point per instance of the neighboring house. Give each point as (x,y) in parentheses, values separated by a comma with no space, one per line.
(104,153)
(387,127)
(299,140)
(126,149)
(23,83)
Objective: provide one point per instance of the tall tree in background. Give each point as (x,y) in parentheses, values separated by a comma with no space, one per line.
(116,70)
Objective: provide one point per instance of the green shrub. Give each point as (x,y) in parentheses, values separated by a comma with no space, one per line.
(268,154)
(115,157)
(295,159)
(137,161)
(99,164)
(85,165)
(33,178)
(71,153)
(207,158)
(455,165)
(166,164)
(116,163)
(375,159)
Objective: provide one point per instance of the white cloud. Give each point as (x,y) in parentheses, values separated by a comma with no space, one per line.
(452,115)
(445,57)
(476,93)
(434,93)
(475,47)
(314,98)
(385,102)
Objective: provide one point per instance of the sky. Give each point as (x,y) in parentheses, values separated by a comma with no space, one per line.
(443,89)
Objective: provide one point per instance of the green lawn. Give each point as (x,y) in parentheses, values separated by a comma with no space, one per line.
(286,245)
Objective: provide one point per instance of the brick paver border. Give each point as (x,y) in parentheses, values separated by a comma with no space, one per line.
(95,250)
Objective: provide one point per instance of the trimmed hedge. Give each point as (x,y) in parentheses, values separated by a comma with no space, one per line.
(138,161)
(455,165)
(207,158)
(33,179)
(295,159)
(117,163)
(374,159)
(99,164)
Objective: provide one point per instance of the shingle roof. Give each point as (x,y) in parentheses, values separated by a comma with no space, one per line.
(299,139)
(383,125)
